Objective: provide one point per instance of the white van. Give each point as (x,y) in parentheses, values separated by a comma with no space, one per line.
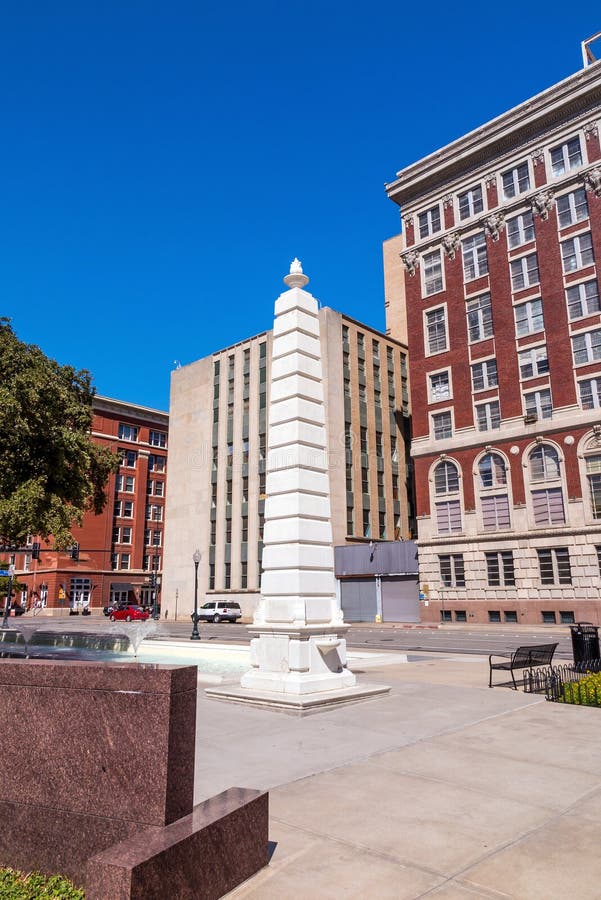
(220,611)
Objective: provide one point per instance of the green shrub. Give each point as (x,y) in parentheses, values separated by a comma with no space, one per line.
(585,692)
(16,886)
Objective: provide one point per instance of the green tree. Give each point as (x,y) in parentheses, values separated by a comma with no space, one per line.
(51,471)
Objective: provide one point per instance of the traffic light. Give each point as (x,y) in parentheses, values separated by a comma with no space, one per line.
(35,550)
(153,580)
(75,552)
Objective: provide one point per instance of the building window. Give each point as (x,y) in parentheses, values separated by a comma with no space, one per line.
(448,516)
(436,327)
(159,488)
(440,386)
(510,615)
(590,393)
(544,463)
(484,375)
(243,575)
(479,318)
(147,537)
(529,317)
(500,569)
(156,538)
(475,257)
(382,525)
(572,208)
(432,269)
(446,615)
(494,615)
(495,512)
(227,575)
(126,535)
(158,438)
(211,576)
(116,535)
(442,425)
(460,615)
(125,561)
(452,572)
(244,530)
(128,458)
(554,566)
(583,300)
(566,617)
(533,362)
(538,404)
(520,229)
(350,521)
(446,478)
(470,203)
(516,181)
(129,484)
(566,157)
(577,252)
(366,523)
(117,508)
(593,476)
(547,505)
(547,501)
(524,272)
(128,432)
(360,344)
(364,480)
(586,347)
(488,415)
(492,471)
(128,509)
(429,222)
(156,463)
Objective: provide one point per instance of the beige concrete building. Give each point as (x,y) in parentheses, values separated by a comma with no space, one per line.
(218,445)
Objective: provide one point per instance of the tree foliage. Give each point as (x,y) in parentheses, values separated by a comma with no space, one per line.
(51,471)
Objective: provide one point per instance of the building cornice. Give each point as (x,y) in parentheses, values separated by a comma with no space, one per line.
(527,122)
(133,410)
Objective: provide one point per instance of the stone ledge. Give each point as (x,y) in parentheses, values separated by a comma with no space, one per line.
(296,704)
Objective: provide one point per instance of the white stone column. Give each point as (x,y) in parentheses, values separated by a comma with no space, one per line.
(298,649)
(298,645)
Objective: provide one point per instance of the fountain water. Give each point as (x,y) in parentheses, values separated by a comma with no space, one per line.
(136,632)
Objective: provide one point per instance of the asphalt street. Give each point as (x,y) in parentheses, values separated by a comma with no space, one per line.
(456,639)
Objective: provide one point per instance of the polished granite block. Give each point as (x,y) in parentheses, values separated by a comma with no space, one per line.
(81,730)
(103,751)
(43,839)
(201,857)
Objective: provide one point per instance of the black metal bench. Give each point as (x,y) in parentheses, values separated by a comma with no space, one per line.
(522,658)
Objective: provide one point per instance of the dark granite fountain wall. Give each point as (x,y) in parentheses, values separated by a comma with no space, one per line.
(97,755)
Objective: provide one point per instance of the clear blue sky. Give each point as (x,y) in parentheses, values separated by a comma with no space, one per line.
(164,161)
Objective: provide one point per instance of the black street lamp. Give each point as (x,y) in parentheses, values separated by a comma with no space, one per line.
(195,635)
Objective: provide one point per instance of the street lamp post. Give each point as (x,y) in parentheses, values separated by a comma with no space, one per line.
(195,635)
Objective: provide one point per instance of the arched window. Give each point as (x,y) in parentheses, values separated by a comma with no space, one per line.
(492,471)
(547,496)
(447,499)
(493,495)
(593,477)
(446,478)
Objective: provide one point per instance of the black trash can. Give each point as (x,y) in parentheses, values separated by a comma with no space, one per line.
(585,642)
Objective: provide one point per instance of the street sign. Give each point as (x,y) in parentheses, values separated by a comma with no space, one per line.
(4,572)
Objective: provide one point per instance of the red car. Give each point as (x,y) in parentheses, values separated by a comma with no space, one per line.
(129,613)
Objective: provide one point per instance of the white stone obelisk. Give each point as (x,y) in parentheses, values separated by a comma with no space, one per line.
(298,644)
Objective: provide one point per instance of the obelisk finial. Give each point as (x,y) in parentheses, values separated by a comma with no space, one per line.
(296,278)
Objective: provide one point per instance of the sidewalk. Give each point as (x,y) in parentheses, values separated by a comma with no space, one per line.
(444,788)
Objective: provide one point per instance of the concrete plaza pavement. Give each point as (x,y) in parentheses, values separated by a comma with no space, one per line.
(442,788)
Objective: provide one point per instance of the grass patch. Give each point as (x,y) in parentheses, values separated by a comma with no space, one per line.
(17,886)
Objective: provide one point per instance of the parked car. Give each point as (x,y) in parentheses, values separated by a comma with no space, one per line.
(129,613)
(220,611)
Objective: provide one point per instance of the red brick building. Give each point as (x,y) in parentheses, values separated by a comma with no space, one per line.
(500,249)
(119,548)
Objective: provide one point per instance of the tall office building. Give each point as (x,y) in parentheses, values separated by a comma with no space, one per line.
(496,272)
(118,550)
(218,446)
